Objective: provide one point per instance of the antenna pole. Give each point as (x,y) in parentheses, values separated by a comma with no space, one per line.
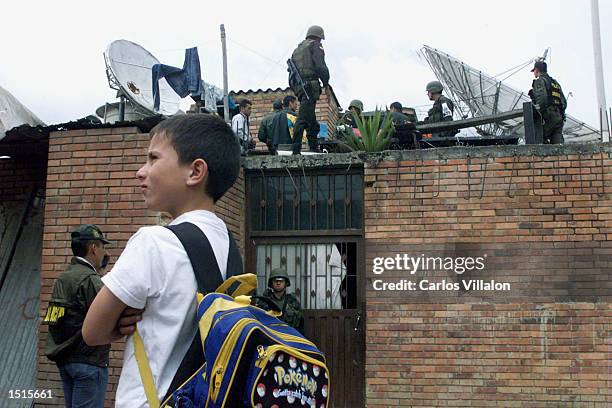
(121,108)
(599,79)
(225,90)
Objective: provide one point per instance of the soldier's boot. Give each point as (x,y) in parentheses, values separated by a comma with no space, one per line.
(313,142)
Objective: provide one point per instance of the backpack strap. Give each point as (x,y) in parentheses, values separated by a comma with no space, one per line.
(209,277)
(234,259)
(201,256)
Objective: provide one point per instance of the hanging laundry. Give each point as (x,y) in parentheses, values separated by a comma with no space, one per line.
(183,81)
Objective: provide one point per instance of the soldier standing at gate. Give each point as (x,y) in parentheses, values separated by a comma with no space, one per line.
(308,59)
(287,303)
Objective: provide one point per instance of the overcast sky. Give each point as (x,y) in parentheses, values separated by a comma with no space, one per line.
(51,52)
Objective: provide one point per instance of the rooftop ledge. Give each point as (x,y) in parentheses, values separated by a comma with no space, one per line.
(442,153)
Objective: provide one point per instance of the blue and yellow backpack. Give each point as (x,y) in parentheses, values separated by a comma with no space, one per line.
(242,355)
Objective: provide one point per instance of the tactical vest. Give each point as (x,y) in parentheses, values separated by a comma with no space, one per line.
(302,57)
(555,94)
(436,113)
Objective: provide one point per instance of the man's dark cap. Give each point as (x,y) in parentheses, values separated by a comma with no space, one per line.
(540,65)
(88,232)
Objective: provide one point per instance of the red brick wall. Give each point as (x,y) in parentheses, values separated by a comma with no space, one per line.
(543,217)
(91,179)
(326,110)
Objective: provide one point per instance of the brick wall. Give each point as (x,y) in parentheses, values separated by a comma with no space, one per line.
(18,175)
(91,179)
(327,109)
(542,219)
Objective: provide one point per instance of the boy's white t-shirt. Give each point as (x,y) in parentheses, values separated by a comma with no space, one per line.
(154,272)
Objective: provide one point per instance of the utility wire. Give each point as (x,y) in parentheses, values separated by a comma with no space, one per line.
(283,55)
(255,52)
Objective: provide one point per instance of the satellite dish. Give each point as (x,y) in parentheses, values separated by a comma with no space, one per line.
(481,94)
(128,68)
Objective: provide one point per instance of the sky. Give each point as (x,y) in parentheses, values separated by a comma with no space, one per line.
(51,56)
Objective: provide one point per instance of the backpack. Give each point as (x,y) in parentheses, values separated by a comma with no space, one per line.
(243,355)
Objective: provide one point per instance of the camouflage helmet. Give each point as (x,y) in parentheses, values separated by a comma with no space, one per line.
(356,103)
(315,31)
(434,86)
(279,273)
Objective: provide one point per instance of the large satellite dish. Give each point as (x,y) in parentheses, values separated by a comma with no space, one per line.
(128,68)
(477,94)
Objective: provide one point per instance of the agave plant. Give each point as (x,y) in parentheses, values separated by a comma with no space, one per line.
(375,136)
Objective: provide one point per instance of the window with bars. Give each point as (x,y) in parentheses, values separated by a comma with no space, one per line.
(298,201)
(323,275)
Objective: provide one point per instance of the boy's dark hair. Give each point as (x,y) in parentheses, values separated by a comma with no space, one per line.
(206,137)
(397,106)
(79,248)
(288,99)
(244,103)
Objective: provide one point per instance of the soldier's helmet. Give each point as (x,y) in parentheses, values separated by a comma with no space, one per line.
(279,273)
(356,103)
(434,86)
(315,31)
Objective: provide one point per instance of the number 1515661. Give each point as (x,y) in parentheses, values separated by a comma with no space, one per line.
(22,394)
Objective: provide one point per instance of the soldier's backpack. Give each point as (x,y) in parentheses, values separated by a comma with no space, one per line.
(245,356)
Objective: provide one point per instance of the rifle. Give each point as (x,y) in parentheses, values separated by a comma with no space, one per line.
(295,73)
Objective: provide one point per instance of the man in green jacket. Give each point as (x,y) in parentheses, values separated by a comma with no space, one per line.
(264,134)
(398,116)
(309,59)
(548,97)
(83,369)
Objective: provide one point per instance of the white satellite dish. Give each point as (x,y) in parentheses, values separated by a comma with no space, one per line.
(128,68)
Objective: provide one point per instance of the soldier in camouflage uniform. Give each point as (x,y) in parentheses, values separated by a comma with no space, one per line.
(309,58)
(442,109)
(347,121)
(278,282)
(83,369)
(548,97)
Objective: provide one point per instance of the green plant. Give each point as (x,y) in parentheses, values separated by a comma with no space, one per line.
(375,136)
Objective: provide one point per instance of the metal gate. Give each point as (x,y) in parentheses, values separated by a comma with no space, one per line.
(318,240)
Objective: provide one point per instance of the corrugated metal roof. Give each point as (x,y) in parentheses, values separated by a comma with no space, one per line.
(13,113)
(269,90)
(19,303)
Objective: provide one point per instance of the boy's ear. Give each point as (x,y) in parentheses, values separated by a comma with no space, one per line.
(198,172)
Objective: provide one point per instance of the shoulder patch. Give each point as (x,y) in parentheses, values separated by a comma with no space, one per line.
(446,110)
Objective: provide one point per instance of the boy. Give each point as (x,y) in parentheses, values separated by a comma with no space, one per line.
(192,161)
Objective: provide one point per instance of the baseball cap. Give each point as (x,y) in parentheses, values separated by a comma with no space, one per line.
(88,232)
(541,65)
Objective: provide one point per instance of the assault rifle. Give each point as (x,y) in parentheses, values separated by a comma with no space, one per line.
(295,77)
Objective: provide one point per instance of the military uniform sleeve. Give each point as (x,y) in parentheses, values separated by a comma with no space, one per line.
(318,58)
(540,95)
